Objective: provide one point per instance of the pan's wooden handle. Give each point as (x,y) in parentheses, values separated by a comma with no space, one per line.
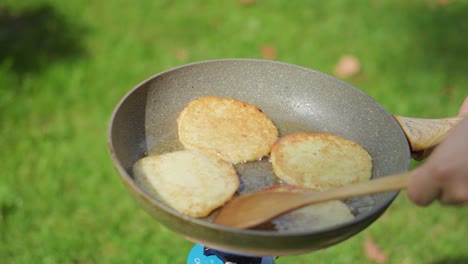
(424,134)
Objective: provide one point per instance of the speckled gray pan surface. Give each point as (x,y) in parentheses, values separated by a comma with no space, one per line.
(296,99)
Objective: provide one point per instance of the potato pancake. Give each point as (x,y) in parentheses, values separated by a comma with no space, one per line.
(189,181)
(311,217)
(232,130)
(320,160)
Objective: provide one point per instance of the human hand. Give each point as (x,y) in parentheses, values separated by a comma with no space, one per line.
(444,176)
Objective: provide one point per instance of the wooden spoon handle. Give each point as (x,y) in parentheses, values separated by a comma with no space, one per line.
(423,133)
(383,184)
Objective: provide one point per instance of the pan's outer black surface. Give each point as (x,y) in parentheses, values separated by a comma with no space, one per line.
(293,97)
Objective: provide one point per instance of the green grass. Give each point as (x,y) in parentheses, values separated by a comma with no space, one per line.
(65,64)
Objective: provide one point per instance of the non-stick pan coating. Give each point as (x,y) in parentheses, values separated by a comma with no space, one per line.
(295,98)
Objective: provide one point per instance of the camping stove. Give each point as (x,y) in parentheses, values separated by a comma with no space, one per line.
(203,255)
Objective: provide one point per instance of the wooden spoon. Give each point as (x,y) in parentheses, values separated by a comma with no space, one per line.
(253,209)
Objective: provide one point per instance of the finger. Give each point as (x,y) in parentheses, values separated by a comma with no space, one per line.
(464,108)
(422,189)
(455,193)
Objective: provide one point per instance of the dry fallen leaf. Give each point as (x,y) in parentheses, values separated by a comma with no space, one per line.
(373,251)
(268,52)
(247,2)
(447,90)
(439,3)
(445,2)
(180,54)
(347,66)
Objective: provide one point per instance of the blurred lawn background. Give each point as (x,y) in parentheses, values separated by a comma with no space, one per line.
(64,65)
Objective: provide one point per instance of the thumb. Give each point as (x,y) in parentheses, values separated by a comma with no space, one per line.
(464,107)
(423,189)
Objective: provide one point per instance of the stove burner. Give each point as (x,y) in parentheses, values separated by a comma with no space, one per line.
(204,255)
(228,258)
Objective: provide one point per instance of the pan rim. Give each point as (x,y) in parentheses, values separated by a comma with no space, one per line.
(128,179)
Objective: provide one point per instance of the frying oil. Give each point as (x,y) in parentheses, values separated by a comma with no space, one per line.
(169,143)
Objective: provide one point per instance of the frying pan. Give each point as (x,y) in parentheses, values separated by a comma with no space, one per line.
(296,99)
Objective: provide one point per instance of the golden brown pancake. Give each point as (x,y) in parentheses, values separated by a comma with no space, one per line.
(311,217)
(320,161)
(189,181)
(232,130)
